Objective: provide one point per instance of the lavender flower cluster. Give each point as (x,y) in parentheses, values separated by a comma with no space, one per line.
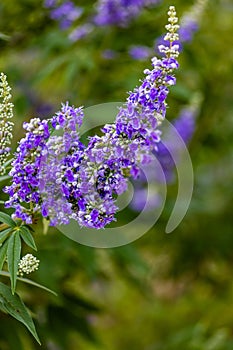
(119,12)
(24,172)
(59,176)
(32,150)
(65,13)
(106,13)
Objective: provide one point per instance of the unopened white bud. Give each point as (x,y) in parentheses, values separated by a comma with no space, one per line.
(28,264)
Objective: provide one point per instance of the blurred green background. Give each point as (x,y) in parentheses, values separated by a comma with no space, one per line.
(164,291)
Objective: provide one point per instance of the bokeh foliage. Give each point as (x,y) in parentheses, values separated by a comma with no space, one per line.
(163,292)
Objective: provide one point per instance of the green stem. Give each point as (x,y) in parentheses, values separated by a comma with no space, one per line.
(3,227)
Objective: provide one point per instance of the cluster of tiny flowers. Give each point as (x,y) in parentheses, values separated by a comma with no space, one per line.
(54,205)
(119,12)
(61,158)
(72,181)
(29,158)
(110,159)
(65,13)
(139,52)
(172,36)
(6,126)
(106,13)
(189,25)
(28,264)
(24,172)
(100,175)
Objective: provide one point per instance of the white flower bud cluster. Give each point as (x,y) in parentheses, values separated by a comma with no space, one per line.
(28,264)
(172,27)
(6,126)
(172,35)
(33,126)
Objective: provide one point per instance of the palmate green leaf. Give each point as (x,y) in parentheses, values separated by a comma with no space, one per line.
(3,252)
(27,237)
(13,305)
(4,234)
(13,257)
(6,219)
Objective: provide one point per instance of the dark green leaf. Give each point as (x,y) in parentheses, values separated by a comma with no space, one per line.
(13,305)
(3,251)
(26,280)
(6,219)
(27,237)
(13,257)
(4,234)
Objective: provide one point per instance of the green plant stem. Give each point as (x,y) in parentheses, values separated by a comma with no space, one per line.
(3,227)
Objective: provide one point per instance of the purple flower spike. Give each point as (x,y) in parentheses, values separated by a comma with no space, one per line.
(65,180)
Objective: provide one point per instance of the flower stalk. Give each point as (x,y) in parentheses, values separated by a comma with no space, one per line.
(6,125)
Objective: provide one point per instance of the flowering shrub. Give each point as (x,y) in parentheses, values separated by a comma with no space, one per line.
(62,179)
(176,283)
(88,178)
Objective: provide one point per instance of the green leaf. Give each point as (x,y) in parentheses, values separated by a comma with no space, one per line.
(13,305)
(4,36)
(2,202)
(26,280)
(27,237)
(6,219)
(8,162)
(4,177)
(4,234)
(3,251)
(13,257)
